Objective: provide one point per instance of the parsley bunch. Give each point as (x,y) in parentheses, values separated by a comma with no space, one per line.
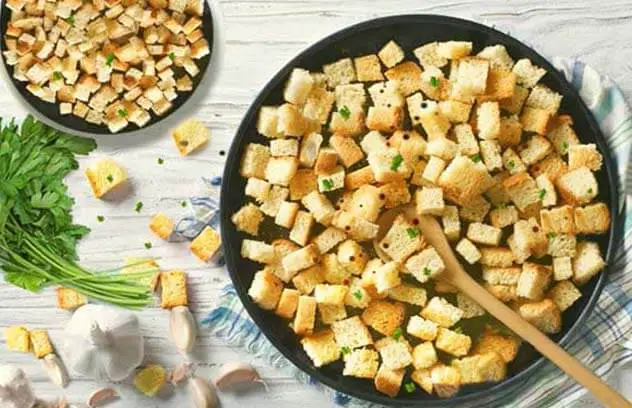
(38,239)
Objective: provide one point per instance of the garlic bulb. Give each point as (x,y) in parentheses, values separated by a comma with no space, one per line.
(15,389)
(103,343)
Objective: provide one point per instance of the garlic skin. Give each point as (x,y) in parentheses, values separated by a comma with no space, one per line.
(103,343)
(56,370)
(183,328)
(15,389)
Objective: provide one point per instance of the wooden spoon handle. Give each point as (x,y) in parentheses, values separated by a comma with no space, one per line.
(459,278)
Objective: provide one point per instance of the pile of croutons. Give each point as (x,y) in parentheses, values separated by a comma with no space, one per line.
(476,141)
(108,62)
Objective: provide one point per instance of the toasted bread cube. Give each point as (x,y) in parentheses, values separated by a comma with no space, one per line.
(454,49)
(510,131)
(441,312)
(40,343)
(291,121)
(453,343)
(529,236)
(395,354)
(190,135)
(504,293)
(504,216)
(584,156)
(384,317)
(319,206)
(351,333)
(304,182)
(301,259)
(326,161)
(332,181)
(373,141)
(352,256)
(455,111)
(509,275)
(496,257)
(451,222)
(321,348)
(284,147)
(423,379)
(467,144)
(305,281)
(424,355)
(318,105)
(384,119)
(257,189)
(475,210)
(564,294)
(365,203)
(409,294)
(488,367)
(161,225)
(206,245)
(391,54)
(468,251)
(464,179)
(429,57)
(592,219)
(515,103)
(388,165)
(534,281)
(488,120)
(425,265)
(69,299)
(254,161)
(523,191)
(562,268)
(469,307)
(387,277)
(528,74)
(506,346)
(394,194)
(563,137)
(535,120)
(331,294)
(587,262)
(174,289)
(350,97)
(423,329)
(340,72)
(430,117)
(418,170)
(305,318)
(433,170)
(547,190)
(368,68)
(388,381)
(258,251)
(512,162)
(356,227)
(247,219)
(401,240)
(357,297)
(271,204)
(361,363)
(310,147)
(545,315)
(298,86)
(281,170)
(561,245)
(347,149)
(17,339)
(484,234)
(446,380)
(433,83)
(386,94)
(558,220)
(542,97)
(471,77)
(331,313)
(490,151)
(287,214)
(288,302)
(536,149)
(578,187)
(408,76)
(501,84)
(328,239)
(442,148)
(105,175)
(498,56)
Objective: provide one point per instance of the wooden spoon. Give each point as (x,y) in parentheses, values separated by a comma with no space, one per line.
(459,278)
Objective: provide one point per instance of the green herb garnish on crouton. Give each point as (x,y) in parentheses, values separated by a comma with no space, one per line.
(57,75)
(345,112)
(542,194)
(410,387)
(397,333)
(551,235)
(357,294)
(328,184)
(122,113)
(434,81)
(427,271)
(397,161)
(345,350)
(109,60)
(412,232)
(476,158)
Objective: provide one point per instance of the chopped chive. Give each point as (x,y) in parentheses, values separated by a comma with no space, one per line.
(434,81)
(122,113)
(148,245)
(345,112)
(410,387)
(542,194)
(476,158)
(110,178)
(109,60)
(57,75)
(412,232)
(397,333)
(357,294)
(427,271)
(100,218)
(139,206)
(397,161)
(328,184)
(345,350)
(161,160)
(172,56)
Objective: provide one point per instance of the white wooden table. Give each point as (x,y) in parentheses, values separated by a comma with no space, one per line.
(259,37)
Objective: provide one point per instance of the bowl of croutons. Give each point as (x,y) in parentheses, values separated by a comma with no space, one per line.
(452,119)
(104,67)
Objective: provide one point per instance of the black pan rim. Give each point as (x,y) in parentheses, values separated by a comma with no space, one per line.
(614,235)
(65,122)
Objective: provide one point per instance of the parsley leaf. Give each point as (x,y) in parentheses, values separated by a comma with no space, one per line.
(542,194)
(122,113)
(434,81)
(109,60)
(551,235)
(501,206)
(57,75)
(172,56)
(458,330)
(412,232)
(139,206)
(396,162)
(565,146)
(427,271)
(148,245)
(410,387)
(100,218)
(110,178)
(70,19)
(476,158)
(397,333)
(161,160)
(345,350)
(511,164)
(328,184)
(345,112)
(357,294)
(590,191)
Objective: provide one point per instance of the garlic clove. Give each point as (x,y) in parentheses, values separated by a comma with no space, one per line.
(102,397)
(56,370)
(236,375)
(202,394)
(180,373)
(183,328)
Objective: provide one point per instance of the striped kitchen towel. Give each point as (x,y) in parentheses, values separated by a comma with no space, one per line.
(603,343)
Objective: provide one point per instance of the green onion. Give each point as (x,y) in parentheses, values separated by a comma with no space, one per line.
(590,191)
(328,184)
(551,235)
(542,194)
(427,271)
(476,158)
(412,232)
(57,75)
(511,164)
(410,387)
(397,333)
(122,113)
(109,60)
(345,112)
(172,56)
(110,178)
(396,162)
(357,294)
(345,350)
(434,81)
(70,19)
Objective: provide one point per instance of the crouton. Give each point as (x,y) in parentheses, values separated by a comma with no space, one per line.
(553,166)
(455,111)
(452,342)
(357,296)
(408,77)
(562,268)
(547,190)
(387,277)
(527,74)
(298,86)
(69,299)
(468,251)
(258,251)
(303,223)
(561,245)
(425,265)
(488,120)
(512,162)
(372,141)
(502,275)
(469,307)
(389,381)
(464,179)
(484,234)
(348,123)
(396,355)
(401,240)
(535,120)
(326,161)
(40,343)
(104,176)
(305,281)
(301,259)
(562,136)
(284,147)
(441,312)
(475,210)
(442,148)
(584,156)
(332,181)
(333,271)
(427,114)
(257,189)
(394,194)
(291,121)
(174,289)
(530,236)
(490,152)
(347,149)
(504,216)
(330,294)
(523,191)
(424,355)
(501,84)
(481,368)
(161,225)
(429,57)
(206,245)
(17,339)
(388,165)
(384,317)
(305,318)
(498,56)
(386,95)
(515,103)
(391,54)
(321,348)
(423,378)
(409,294)
(356,227)
(340,72)
(361,363)
(451,222)
(304,182)
(434,84)
(544,315)
(592,219)
(254,161)
(421,328)
(247,219)
(384,119)
(564,294)
(319,206)
(365,203)
(432,171)
(471,77)
(368,68)
(328,239)
(536,149)
(446,381)
(467,144)
(542,97)
(351,333)
(496,257)
(318,104)
(287,214)
(454,49)
(330,313)
(352,256)
(190,135)
(587,262)
(506,346)
(281,170)
(534,281)
(359,177)
(578,187)
(288,302)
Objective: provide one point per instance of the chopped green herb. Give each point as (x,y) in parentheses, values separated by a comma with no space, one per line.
(565,146)
(139,206)
(172,56)
(551,235)
(412,232)
(542,194)
(511,164)
(109,60)
(183,204)
(70,19)
(57,75)
(122,113)
(161,160)
(148,245)
(590,191)
(397,161)
(100,218)
(110,178)
(458,330)
(345,350)
(345,112)
(357,294)
(501,206)
(328,184)
(434,81)
(476,158)
(427,271)
(397,333)
(410,387)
